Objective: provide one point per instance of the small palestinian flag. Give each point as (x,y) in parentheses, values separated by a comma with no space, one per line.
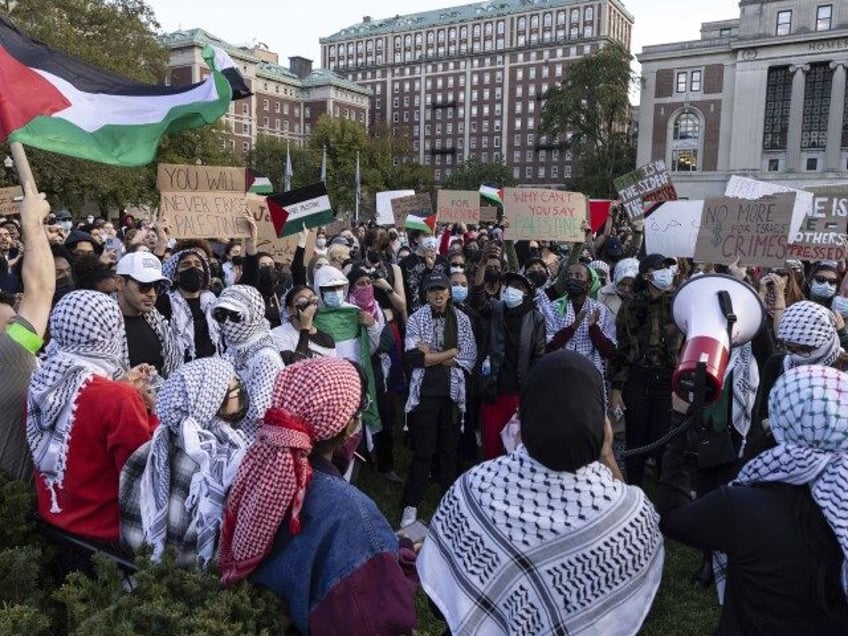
(60,104)
(258,184)
(424,220)
(493,193)
(309,206)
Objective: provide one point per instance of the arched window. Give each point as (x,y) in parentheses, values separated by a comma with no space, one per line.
(534,21)
(522,23)
(686,143)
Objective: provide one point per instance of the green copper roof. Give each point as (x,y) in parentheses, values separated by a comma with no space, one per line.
(452,15)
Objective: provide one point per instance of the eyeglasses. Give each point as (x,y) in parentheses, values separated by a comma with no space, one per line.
(221,314)
(791,347)
(824,279)
(145,288)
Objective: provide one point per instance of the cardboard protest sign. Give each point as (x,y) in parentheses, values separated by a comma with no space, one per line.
(544,215)
(336,227)
(419,206)
(753,230)
(384,214)
(488,214)
(458,206)
(203,201)
(672,228)
(10,200)
(822,235)
(745,188)
(651,182)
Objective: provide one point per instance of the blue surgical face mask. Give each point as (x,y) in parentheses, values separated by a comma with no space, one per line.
(663,279)
(840,305)
(512,297)
(822,290)
(334,298)
(459,293)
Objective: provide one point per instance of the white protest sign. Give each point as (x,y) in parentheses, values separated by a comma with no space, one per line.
(672,228)
(384,205)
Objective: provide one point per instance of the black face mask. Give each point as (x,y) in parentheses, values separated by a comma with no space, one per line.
(535,251)
(267,280)
(190,280)
(237,260)
(491,275)
(471,254)
(373,256)
(574,287)
(64,285)
(537,278)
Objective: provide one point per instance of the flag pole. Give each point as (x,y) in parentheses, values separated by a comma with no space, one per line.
(22,166)
(358,189)
(288,171)
(324,164)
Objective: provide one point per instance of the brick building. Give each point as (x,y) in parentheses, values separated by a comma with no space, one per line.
(471,80)
(761,95)
(286,102)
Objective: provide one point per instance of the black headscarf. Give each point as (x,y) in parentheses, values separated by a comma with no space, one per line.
(562,411)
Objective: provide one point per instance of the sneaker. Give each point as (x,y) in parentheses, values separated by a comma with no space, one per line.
(392,477)
(409,516)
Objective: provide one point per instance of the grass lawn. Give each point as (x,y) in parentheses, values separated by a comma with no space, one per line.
(681,608)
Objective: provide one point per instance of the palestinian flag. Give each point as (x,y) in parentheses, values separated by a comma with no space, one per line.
(424,220)
(291,210)
(257,184)
(493,193)
(58,103)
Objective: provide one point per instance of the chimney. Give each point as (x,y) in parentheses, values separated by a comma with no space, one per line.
(366,19)
(300,66)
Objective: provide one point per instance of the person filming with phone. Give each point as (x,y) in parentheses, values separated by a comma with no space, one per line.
(298,338)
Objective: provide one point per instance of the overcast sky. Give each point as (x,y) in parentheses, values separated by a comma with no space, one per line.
(294,28)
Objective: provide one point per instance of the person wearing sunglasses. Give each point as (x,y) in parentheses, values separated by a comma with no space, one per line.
(138,284)
(246,342)
(297,338)
(823,283)
(290,512)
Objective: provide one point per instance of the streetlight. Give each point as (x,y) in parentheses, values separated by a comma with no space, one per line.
(8,164)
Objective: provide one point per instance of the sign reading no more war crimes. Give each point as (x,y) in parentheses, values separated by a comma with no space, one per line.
(203,201)
(458,206)
(535,214)
(755,231)
(651,182)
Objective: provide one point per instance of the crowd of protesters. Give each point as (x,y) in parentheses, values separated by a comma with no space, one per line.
(198,397)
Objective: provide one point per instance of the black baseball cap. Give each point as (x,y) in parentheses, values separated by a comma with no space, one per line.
(436,280)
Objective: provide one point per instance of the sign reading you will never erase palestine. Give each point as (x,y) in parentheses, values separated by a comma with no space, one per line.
(203,201)
(535,214)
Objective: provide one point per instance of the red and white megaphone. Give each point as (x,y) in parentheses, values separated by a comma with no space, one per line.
(715,312)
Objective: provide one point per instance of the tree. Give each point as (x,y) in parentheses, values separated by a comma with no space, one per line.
(118,36)
(393,165)
(471,174)
(590,110)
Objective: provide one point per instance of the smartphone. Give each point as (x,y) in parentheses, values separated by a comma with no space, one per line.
(116,244)
(415,532)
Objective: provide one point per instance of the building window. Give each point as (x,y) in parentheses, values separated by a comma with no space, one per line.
(812,163)
(245,146)
(816,106)
(687,126)
(778,96)
(724,32)
(684,160)
(824,15)
(773,165)
(682,77)
(784,23)
(695,81)
(686,137)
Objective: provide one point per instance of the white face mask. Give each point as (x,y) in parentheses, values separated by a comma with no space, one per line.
(512,297)
(333,298)
(663,279)
(321,242)
(840,305)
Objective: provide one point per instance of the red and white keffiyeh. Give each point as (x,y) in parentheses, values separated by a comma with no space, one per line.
(313,400)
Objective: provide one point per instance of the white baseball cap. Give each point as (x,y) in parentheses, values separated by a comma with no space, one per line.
(141,266)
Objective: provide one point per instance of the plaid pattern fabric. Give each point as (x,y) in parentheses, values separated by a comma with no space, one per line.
(208,450)
(312,400)
(86,340)
(809,324)
(560,314)
(423,327)
(517,548)
(250,347)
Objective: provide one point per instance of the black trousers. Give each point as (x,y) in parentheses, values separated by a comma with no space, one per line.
(434,432)
(647,400)
(390,405)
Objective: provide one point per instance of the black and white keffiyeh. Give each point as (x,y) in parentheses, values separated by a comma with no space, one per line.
(808,411)
(170,351)
(517,548)
(422,326)
(86,329)
(181,322)
(248,344)
(187,406)
(809,324)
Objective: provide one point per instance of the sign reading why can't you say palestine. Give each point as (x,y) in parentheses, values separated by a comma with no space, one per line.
(544,215)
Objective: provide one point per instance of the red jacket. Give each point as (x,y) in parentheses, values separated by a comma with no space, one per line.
(111,423)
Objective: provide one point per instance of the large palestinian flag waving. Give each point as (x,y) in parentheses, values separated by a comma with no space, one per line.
(55,102)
